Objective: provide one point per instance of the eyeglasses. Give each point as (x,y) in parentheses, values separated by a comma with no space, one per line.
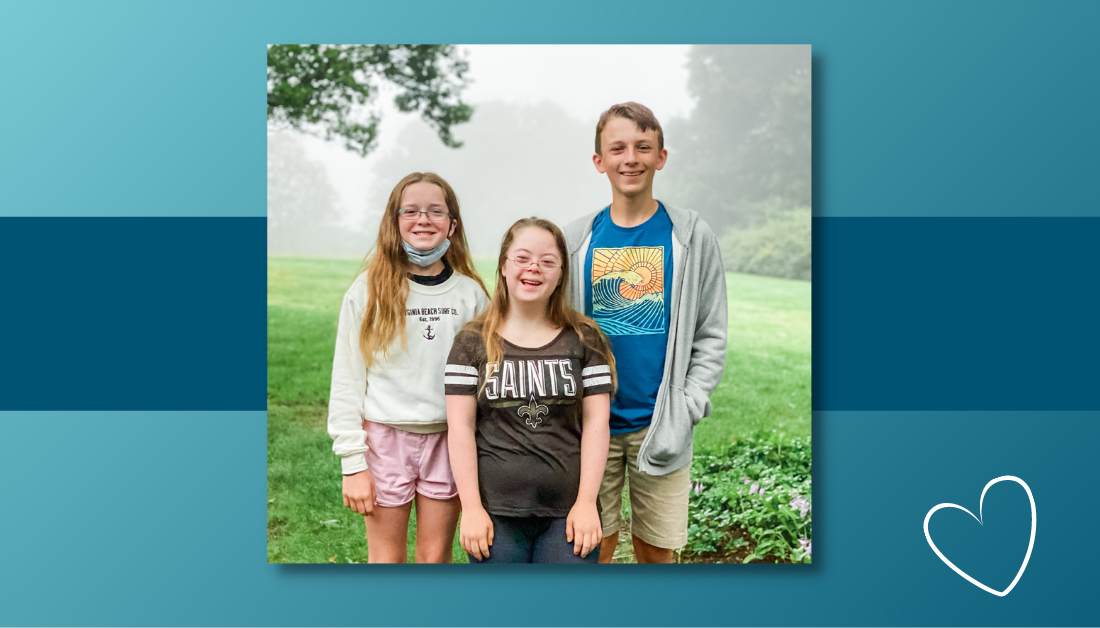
(434,215)
(547,263)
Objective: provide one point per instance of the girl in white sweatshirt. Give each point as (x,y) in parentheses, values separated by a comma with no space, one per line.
(387,410)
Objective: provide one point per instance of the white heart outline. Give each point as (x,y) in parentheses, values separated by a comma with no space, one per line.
(1030,544)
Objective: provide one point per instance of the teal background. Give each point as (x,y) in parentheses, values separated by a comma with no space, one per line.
(165,512)
(921,109)
(936,109)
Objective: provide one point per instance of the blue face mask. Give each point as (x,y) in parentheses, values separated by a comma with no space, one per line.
(428,257)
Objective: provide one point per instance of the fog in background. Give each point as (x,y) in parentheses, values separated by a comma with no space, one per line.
(736,122)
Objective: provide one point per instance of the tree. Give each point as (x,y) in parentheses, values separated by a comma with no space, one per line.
(303,212)
(745,150)
(330,87)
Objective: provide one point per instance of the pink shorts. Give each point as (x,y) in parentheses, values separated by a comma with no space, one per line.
(404,464)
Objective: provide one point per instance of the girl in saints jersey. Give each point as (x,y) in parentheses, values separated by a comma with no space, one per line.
(387,413)
(528,400)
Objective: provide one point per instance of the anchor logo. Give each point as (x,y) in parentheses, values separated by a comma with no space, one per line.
(429,335)
(532,411)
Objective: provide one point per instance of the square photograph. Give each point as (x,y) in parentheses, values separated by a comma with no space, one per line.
(539,304)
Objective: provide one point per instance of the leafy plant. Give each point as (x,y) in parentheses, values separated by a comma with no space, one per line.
(780,247)
(760,485)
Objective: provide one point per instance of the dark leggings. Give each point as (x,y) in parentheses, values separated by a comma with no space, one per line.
(532,540)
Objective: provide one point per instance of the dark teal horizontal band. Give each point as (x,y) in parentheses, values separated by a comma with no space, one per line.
(956,314)
(133,313)
(909,314)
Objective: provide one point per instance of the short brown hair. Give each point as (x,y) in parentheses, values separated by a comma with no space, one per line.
(640,114)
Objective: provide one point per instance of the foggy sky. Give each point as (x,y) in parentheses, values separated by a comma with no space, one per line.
(574,83)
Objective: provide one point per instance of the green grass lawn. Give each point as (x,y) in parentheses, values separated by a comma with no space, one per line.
(766,387)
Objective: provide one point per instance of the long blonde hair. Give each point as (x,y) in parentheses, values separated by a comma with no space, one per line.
(387,286)
(558,311)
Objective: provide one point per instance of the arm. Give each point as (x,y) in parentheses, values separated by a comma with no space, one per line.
(476,532)
(345,420)
(583,522)
(708,348)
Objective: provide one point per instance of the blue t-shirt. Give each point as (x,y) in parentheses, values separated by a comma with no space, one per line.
(628,290)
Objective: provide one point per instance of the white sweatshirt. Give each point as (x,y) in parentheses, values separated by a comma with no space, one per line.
(406,391)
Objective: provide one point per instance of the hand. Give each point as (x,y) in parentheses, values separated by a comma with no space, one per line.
(476,532)
(583,528)
(359,492)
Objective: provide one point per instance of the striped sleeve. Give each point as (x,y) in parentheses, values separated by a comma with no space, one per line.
(596,375)
(460,377)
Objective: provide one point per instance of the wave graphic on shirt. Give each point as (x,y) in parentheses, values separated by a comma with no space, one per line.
(628,290)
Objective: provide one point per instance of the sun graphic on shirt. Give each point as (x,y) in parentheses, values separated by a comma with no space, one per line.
(639,266)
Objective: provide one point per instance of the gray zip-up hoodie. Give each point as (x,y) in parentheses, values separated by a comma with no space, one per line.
(696,354)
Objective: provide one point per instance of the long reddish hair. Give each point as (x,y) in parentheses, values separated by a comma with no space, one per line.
(387,286)
(558,311)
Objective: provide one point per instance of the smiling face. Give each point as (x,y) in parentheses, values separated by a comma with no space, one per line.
(423,233)
(629,157)
(532,283)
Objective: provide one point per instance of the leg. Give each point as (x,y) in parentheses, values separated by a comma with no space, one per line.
(658,508)
(646,553)
(607,548)
(436,520)
(551,547)
(388,527)
(611,496)
(388,534)
(437,504)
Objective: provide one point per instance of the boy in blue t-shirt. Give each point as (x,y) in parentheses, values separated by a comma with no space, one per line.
(652,277)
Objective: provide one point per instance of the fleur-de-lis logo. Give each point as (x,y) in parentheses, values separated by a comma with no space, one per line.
(532,411)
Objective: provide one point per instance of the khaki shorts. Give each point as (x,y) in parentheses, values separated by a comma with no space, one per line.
(658,503)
